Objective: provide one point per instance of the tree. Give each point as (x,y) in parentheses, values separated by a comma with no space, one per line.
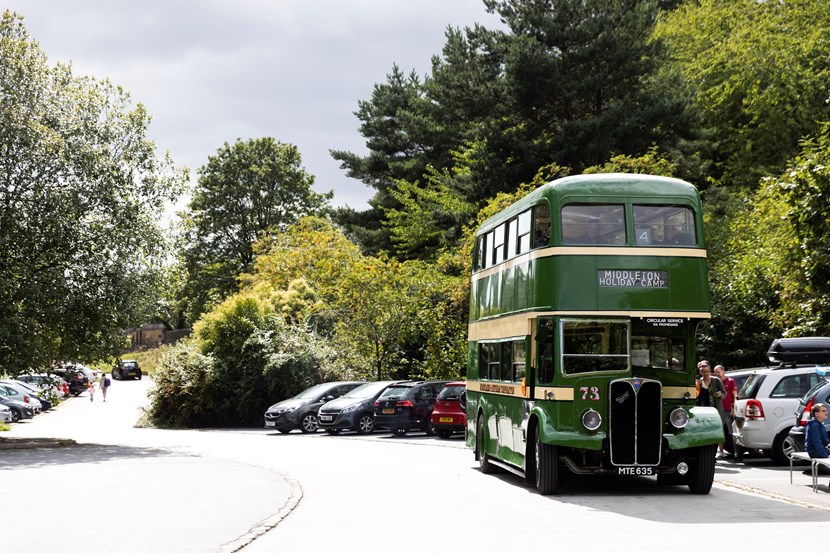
(245,190)
(81,188)
(757,74)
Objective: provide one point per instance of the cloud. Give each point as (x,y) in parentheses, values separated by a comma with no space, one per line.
(213,71)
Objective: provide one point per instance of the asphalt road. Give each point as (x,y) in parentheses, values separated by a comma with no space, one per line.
(129,489)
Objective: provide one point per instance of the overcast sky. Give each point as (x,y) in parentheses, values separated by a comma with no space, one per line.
(213,71)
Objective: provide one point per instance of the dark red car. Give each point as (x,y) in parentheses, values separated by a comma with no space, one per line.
(447,415)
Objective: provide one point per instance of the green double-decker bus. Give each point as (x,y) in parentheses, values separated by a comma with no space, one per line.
(585,300)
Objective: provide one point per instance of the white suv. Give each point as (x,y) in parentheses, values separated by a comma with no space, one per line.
(766,406)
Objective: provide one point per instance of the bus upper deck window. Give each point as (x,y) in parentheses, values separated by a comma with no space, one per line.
(593,224)
(541,226)
(664,225)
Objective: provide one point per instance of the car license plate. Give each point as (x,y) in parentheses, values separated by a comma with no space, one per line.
(388,411)
(326,417)
(270,423)
(636,471)
(444,419)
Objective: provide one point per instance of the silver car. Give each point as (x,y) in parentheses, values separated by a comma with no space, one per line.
(16,390)
(5,414)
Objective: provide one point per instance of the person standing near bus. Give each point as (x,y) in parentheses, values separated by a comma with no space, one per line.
(728,413)
(711,392)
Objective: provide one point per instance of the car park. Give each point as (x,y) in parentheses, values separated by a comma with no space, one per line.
(353,411)
(407,406)
(766,406)
(447,414)
(301,410)
(127,368)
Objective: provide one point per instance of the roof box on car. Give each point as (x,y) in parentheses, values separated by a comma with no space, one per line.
(811,350)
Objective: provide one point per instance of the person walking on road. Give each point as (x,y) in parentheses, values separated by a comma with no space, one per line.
(728,413)
(710,392)
(91,391)
(105,384)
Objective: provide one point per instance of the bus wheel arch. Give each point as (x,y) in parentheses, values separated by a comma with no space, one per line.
(481,453)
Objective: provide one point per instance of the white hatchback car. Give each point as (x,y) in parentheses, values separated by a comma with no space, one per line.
(5,414)
(766,406)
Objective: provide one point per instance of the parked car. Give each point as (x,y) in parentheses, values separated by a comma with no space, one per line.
(45,382)
(820,393)
(75,379)
(5,414)
(45,404)
(18,409)
(766,406)
(407,406)
(17,392)
(447,415)
(128,368)
(300,411)
(353,411)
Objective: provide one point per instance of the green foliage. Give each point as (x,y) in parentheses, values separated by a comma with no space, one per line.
(651,163)
(81,187)
(757,73)
(244,191)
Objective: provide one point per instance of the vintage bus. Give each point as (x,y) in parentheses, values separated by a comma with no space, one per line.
(585,300)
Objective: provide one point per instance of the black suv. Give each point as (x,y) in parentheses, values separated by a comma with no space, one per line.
(127,368)
(75,377)
(407,406)
(300,411)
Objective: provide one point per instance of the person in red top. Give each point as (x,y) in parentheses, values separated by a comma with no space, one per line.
(728,414)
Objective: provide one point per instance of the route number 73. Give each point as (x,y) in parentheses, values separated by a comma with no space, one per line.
(591,393)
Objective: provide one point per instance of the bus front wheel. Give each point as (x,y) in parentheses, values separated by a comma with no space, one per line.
(702,472)
(481,452)
(547,467)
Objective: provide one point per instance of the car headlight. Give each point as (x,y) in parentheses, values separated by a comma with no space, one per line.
(591,419)
(289,410)
(679,418)
(350,408)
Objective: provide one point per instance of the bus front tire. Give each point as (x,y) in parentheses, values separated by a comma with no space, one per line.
(702,472)
(547,467)
(483,462)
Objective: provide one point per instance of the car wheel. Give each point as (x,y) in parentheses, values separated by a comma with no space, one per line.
(547,466)
(309,424)
(702,470)
(139,375)
(399,431)
(483,461)
(365,424)
(16,415)
(430,431)
(333,431)
(782,447)
(444,433)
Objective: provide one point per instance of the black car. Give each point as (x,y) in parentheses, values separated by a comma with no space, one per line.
(353,411)
(128,368)
(300,411)
(74,377)
(820,393)
(407,406)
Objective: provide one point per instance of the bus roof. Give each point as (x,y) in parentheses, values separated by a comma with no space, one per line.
(602,184)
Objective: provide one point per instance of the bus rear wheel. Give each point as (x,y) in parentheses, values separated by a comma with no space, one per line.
(702,472)
(483,461)
(547,467)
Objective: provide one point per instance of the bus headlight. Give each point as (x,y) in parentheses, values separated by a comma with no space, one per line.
(679,418)
(591,419)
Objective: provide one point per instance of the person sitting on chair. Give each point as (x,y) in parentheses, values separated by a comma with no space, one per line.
(815,437)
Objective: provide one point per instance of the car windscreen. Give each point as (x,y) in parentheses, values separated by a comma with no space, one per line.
(813,391)
(312,392)
(366,390)
(751,386)
(449,393)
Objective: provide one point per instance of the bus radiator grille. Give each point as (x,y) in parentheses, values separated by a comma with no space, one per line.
(635,422)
